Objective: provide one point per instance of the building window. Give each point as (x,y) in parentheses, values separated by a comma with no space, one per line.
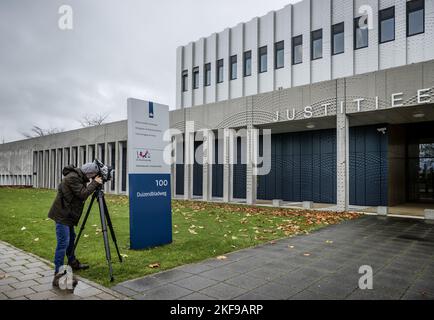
(360,33)
(263,59)
(415,17)
(234,67)
(220,71)
(297,50)
(279,55)
(387,25)
(316,44)
(196,78)
(338,38)
(247,63)
(184,80)
(207,75)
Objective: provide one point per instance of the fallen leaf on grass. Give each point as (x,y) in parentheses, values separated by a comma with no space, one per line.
(307,254)
(86,236)
(329,241)
(176,232)
(124,255)
(192,231)
(23,228)
(234,238)
(291,247)
(222,258)
(154,265)
(36,239)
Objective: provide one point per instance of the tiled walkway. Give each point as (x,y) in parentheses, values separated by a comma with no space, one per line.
(323,265)
(26,277)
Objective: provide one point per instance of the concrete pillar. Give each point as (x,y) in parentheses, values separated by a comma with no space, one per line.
(342,150)
(173,166)
(229,144)
(107,162)
(117,168)
(252,151)
(189,161)
(208,157)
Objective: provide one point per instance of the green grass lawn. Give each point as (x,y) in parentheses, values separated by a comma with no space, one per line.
(200,231)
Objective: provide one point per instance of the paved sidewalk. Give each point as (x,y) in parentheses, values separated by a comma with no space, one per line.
(24,276)
(323,265)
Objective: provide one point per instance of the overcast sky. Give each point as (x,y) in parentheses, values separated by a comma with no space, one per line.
(117,49)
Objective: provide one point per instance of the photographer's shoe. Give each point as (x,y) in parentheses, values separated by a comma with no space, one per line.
(76,265)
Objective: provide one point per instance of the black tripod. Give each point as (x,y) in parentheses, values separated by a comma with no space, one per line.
(105,221)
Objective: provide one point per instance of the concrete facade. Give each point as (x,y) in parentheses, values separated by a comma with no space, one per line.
(301,18)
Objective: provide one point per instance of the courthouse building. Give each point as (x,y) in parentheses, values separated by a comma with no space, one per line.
(346,87)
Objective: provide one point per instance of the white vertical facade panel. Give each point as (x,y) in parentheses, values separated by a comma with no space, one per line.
(188,65)
(343,64)
(366,59)
(282,32)
(211,57)
(321,19)
(179,68)
(394,54)
(420,47)
(301,16)
(251,38)
(223,53)
(266,38)
(236,48)
(198,61)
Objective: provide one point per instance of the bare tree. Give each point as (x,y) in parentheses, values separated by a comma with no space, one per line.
(37,131)
(90,120)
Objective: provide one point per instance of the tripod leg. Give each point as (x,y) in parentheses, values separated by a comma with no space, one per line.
(104,233)
(84,221)
(112,231)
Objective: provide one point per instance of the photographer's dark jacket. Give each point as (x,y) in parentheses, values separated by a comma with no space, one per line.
(71,196)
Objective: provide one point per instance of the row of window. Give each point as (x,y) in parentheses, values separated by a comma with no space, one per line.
(386,33)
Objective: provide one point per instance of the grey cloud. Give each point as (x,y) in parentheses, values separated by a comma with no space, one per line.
(117,49)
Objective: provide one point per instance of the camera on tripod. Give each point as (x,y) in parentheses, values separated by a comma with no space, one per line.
(104,171)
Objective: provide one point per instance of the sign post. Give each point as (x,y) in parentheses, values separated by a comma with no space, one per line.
(149,175)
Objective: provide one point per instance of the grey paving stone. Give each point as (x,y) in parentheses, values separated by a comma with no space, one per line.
(42,287)
(417,295)
(277,291)
(333,289)
(8,280)
(253,297)
(223,291)
(166,292)
(265,273)
(171,276)
(105,296)
(44,280)
(45,295)
(195,283)
(124,291)
(309,295)
(144,284)
(32,270)
(219,274)
(24,284)
(88,292)
(245,282)
(196,268)
(196,296)
(5,288)
(3,297)
(19,293)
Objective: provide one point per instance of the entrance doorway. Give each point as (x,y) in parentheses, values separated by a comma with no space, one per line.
(420,164)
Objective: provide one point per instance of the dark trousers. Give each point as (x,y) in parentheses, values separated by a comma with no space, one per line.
(65,245)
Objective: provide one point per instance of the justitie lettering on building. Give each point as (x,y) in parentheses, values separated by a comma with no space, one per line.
(424,96)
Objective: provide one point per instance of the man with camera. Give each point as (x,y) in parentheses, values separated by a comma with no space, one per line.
(67,210)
